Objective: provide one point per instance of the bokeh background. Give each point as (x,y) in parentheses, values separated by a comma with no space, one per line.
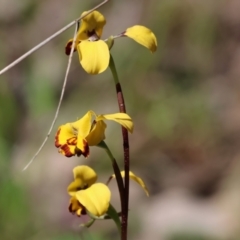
(184,100)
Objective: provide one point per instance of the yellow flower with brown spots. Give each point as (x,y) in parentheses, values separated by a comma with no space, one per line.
(76,137)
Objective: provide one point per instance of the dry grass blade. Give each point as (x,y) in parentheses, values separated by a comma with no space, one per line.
(60,100)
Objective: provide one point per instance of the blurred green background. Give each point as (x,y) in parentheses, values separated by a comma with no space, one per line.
(184,100)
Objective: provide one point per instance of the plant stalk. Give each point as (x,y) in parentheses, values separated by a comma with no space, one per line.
(122,109)
(116,169)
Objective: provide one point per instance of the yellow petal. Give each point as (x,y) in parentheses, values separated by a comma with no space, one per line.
(67,150)
(84,177)
(136,179)
(82,128)
(92,23)
(143,36)
(121,118)
(64,133)
(94,56)
(85,173)
(97,134)
(66,140)
(95,199)
(75,206)
(82,148)
(75,186)
(83,125)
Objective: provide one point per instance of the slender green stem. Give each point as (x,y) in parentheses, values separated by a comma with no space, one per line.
(116,169)
(114,70)
(122,109)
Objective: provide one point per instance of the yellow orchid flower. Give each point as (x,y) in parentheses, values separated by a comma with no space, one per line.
(94,53)
(86,194)
(76,137)
(134,178)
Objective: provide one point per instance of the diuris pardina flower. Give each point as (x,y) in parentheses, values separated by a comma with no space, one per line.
(86,194)
(89,196)
(75,138)
(93,52)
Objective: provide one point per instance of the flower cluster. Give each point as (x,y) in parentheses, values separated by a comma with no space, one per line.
(87,196)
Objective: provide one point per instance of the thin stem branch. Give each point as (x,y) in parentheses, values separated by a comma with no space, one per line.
(122,109)
(49,39)
(116,171)
(60,100)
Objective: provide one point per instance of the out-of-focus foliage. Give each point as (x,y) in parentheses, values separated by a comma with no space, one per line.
(184,101)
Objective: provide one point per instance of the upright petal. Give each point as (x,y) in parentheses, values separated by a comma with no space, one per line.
(94,56)
(82,128)
(83,125)
(86,174)
(84,177)
(92,23)
(75,186)
(121,118)
(95,199)
(143,36)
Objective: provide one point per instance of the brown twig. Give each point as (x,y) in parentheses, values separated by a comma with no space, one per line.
(122,109)
(59,103)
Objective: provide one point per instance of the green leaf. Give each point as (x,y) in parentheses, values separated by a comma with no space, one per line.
(113,214)
(88,224)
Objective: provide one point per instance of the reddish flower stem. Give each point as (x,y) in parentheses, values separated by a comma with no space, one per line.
(122,109)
